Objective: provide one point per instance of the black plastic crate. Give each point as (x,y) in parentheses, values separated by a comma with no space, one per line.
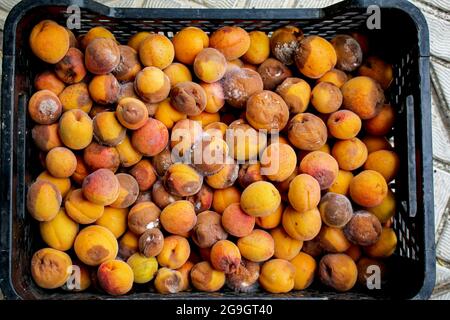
(402,40)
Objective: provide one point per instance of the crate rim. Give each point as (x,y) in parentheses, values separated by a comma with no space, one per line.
(7,103)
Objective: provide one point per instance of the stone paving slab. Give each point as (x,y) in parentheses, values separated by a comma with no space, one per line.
(437,14)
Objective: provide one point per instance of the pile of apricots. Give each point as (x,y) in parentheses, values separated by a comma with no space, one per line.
(113,201)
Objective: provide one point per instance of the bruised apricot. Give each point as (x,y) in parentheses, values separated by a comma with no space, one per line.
(185,133)
(368,188)
(363,96)
(152,85)
(168,281)
(60,232)
(102,56)
(128,245)
(284,43)
(296,93)
(315,56)
(249,173)
(127,154)
(143,216)
(95,33)
(245,278)
(208,229)
(225,256)
(178,217)
(335,210)
(162,161)
(76,96)
(128,191)
(202,200)
(326,97)
(182,180)
(215,98)
(188,97)
(338,271)
(205,278)
(350,154)
(151,242)
(232,41)
(104,89)
(321,166)
(70,69)
(348,51)
(304,192)
(188,42)
(267,110)
(333,240)
(129,64)
(156,50)
(97,156)
(244,141)
(307,132)
(161,196)
(62,184)
(49,41)
(363,228)
(50,268)
(210,65)
(115,277)
(277,276)
(82,210)
(95,245)
(43,200)
(378,70)
(334,76)
(239,84)
(44,107)
(385,162)
(175,252)
(47,80)
(209,154)
(144,173)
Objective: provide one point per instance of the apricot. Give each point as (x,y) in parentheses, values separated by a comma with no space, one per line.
(168,281)
(350,154)
(127,154)
(224,197)
(386,209)
(185,133)
(101,187)
(321,166)
(60,232)
(43,200)
(354,252)
(114,219)
(177,72)
(175,252)
(162,161)
(296,93)
(285,247)
(209,155)
(61,162)
(81,283)
(374,143)
(385,246)
(225,256)
(273,73)
(307,132)
(305,268)
(131,113)
(277,276)
(334,76)
(95,245)
(333,240)
(156,50)
(47,80)
(129,64)
(97,157)
(76,96)
(104,89)
(260,199)
(44,107)
(366,269)
(182,180)
(245,278)
(50,268)
(151,138)
(335,210)
(363,96)
(348,51)
(80,209)
(179,217)
(62,184)
(236,222)
(326,97)
(70,69)
(203,199)
(342,183)
(272,220)
(210,65)
(136,39)
(344,124)
(95,33)
(232,41)
(368,188)
(208,229)
(144,173)
(278,161)
(378,70)
(304,192)
(302,226)
(49,41)
(185,271)
(267,110)
(363,229)
(151,242)
(245,143)
(107,130)
(128,191)
(188,97)
(144,196)
(205,278)
(144,268)
(259,49)
(284,43)
(312,247)
(161,196)
(143,216)
(102,56)
(128,245)
(385,162)
(152,85)
(337,270)
(315,56)
(249,173)
(115,277)
(215,98)
(206,118)
(382,123)
(239,84)
(188,42)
